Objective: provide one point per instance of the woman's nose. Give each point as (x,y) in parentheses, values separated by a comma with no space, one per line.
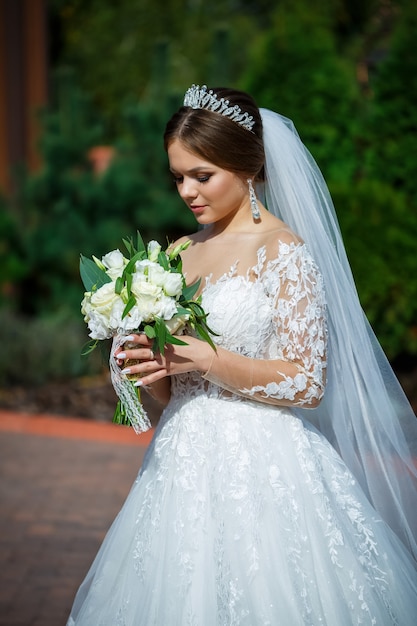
(188,189)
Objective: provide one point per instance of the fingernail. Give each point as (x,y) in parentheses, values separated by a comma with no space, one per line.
(129,338)
(138,383)
(126,370)
(121,356)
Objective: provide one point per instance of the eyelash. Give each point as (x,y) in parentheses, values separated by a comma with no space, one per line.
(200,179)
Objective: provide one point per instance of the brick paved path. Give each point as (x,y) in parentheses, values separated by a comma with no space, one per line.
(62,481)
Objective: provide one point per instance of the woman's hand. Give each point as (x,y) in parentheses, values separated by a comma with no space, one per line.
(196,355)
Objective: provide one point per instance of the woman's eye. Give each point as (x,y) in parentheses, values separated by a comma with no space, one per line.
(204,178)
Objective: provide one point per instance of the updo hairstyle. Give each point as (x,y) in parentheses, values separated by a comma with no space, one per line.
(219,140)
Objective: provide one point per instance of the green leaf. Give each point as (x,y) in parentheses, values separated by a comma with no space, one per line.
(203,334)
(128,243)
(149,331)
(129,306)
(91,274)
(163,261)
(140,243)
(175,340)
(89,347)
(119,285)
(160,335)
(139,256)
(197,309)
(189,292)
(129,279)
(182,311)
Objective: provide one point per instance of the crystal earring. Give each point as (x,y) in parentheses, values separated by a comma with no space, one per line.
(253,201)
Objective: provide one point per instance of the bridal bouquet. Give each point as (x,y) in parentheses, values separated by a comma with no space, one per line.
(143,292)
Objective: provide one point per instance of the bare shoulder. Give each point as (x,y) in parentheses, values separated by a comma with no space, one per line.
(279,231)
(194,237)
(180,242)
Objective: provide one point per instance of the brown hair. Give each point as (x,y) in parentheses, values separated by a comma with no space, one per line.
(219,140)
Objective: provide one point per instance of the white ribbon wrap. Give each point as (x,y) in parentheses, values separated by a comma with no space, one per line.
(127,392)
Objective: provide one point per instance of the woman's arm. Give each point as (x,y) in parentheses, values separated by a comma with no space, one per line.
(271,381)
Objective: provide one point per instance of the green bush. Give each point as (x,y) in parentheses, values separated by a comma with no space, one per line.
(392,120)
(380,234)
(13,267)
(296,69)
(67,208)
(43,349)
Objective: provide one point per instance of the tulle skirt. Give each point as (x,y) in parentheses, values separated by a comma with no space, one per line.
(244,515)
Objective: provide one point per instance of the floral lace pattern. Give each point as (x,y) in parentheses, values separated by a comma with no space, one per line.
(276,311)
(296,286)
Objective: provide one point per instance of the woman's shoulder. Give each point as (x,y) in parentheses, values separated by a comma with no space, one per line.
(284,248)
(280,234)
(193,237)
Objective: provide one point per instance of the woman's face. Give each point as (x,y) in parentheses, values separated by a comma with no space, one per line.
(212,194)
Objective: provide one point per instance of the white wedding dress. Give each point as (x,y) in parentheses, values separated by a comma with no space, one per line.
(242,513)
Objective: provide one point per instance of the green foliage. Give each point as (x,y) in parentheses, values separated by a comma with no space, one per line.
(392,154)
(306,79)
(380,233)
(12,266)
(91,275)
(67,208)
(44,348)
(101,37)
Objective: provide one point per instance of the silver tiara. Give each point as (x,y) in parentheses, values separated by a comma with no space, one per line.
(198,97)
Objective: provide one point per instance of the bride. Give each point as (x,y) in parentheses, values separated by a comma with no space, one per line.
(279,488)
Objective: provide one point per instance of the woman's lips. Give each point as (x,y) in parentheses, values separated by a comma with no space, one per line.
(197,209)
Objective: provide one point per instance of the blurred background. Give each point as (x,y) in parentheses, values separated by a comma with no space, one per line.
(86,87)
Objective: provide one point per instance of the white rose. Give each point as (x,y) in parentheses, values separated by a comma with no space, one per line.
(114,262)
(147,297)
(177,324)
(142,267)
(98,325)
(172,284)
(132,321)
(153,250)
(115,317)
(156,274)
(104,298)
(129,323)
(166,307)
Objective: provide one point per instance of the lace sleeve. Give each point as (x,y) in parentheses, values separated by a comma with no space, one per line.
(293,371)
(296,286)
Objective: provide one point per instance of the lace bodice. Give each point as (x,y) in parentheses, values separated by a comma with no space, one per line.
(275,312)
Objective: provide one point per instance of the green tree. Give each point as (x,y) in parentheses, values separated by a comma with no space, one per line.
(380,233)
(392,121)
(295,68)
(12,264)
(68,208)
(111,45)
